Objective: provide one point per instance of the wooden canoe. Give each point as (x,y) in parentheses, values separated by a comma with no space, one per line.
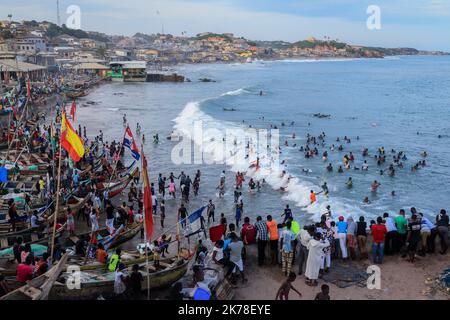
(94,284)
(40,287)
(109,241)
(133,257)
(33,237)
(76,94)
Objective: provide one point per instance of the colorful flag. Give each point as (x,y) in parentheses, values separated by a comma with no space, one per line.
(195,221)
(72,111)
(148,207)
(196,215)
(216,233)
(28,89)
(70,140)
(128,141)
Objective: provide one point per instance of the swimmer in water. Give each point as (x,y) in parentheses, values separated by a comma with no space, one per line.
(375,185)
(366,200)
(349,182)
(325,189)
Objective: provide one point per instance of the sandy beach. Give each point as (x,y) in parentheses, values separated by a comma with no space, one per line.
(400,280)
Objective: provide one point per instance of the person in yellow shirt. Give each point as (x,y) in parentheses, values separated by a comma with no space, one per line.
(41,187)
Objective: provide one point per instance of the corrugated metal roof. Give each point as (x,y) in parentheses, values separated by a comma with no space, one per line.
(13,65)
(130,64)
(90,66)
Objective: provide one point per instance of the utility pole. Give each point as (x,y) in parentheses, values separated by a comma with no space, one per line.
(58,19)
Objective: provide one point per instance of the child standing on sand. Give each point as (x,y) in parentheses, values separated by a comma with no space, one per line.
(283,292)
(324,294)
(156,253)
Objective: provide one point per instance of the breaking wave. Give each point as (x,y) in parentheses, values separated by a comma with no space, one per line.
(212,144)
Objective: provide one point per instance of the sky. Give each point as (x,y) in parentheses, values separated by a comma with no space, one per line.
(422,24)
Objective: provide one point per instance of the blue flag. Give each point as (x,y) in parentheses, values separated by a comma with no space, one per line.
(3,175)
(196,215)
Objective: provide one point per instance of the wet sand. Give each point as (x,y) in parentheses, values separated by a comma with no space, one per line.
(400,280)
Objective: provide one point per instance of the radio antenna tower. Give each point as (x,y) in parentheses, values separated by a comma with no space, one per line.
(58,19)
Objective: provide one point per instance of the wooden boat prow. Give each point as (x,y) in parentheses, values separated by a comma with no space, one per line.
(95,284)
(38,288)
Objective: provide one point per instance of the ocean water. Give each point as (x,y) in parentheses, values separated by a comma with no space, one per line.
(400,103)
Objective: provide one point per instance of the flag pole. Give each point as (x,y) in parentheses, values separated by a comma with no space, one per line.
(145,230)
(118,155)
(58,186)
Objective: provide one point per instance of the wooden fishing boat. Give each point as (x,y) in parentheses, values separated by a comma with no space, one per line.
(74,203)
(32,237)
(76,94)
(40,287)
(128,258)
(3,145)
(120,236)
(94,283)
(118,188)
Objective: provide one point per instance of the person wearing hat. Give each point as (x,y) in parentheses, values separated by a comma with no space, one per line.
(342,236)
(119,281)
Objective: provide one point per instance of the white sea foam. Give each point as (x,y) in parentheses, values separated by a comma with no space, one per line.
(113,109)
(235,92)
(316,60)
(296,190)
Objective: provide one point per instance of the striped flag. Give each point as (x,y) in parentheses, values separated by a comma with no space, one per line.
(128,141)
(148,207)
(70,140)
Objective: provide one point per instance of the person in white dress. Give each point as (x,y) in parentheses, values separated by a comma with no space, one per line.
(315,253)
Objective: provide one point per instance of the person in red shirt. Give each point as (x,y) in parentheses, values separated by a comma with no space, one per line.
(131,215)
(42,265)
(248,232)
(25,270)
(378,233)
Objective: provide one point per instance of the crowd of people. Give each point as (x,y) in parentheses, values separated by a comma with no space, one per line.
(315,246)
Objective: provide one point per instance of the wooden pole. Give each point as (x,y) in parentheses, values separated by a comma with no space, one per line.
(118,155)
(57,198)
(146,261)
(145,228)
(15,131)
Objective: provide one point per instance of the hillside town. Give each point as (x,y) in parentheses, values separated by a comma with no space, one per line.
(43,45)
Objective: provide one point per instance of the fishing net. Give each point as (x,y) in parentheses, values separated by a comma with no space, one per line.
(443,282)
(344,276)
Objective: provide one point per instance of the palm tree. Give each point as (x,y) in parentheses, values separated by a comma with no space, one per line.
(101,51)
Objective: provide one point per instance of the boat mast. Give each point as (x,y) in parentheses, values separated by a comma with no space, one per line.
(118,155)
(145,226)
(58,186)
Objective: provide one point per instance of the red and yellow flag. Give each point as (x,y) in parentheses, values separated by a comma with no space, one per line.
(70,140)
(148,207)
